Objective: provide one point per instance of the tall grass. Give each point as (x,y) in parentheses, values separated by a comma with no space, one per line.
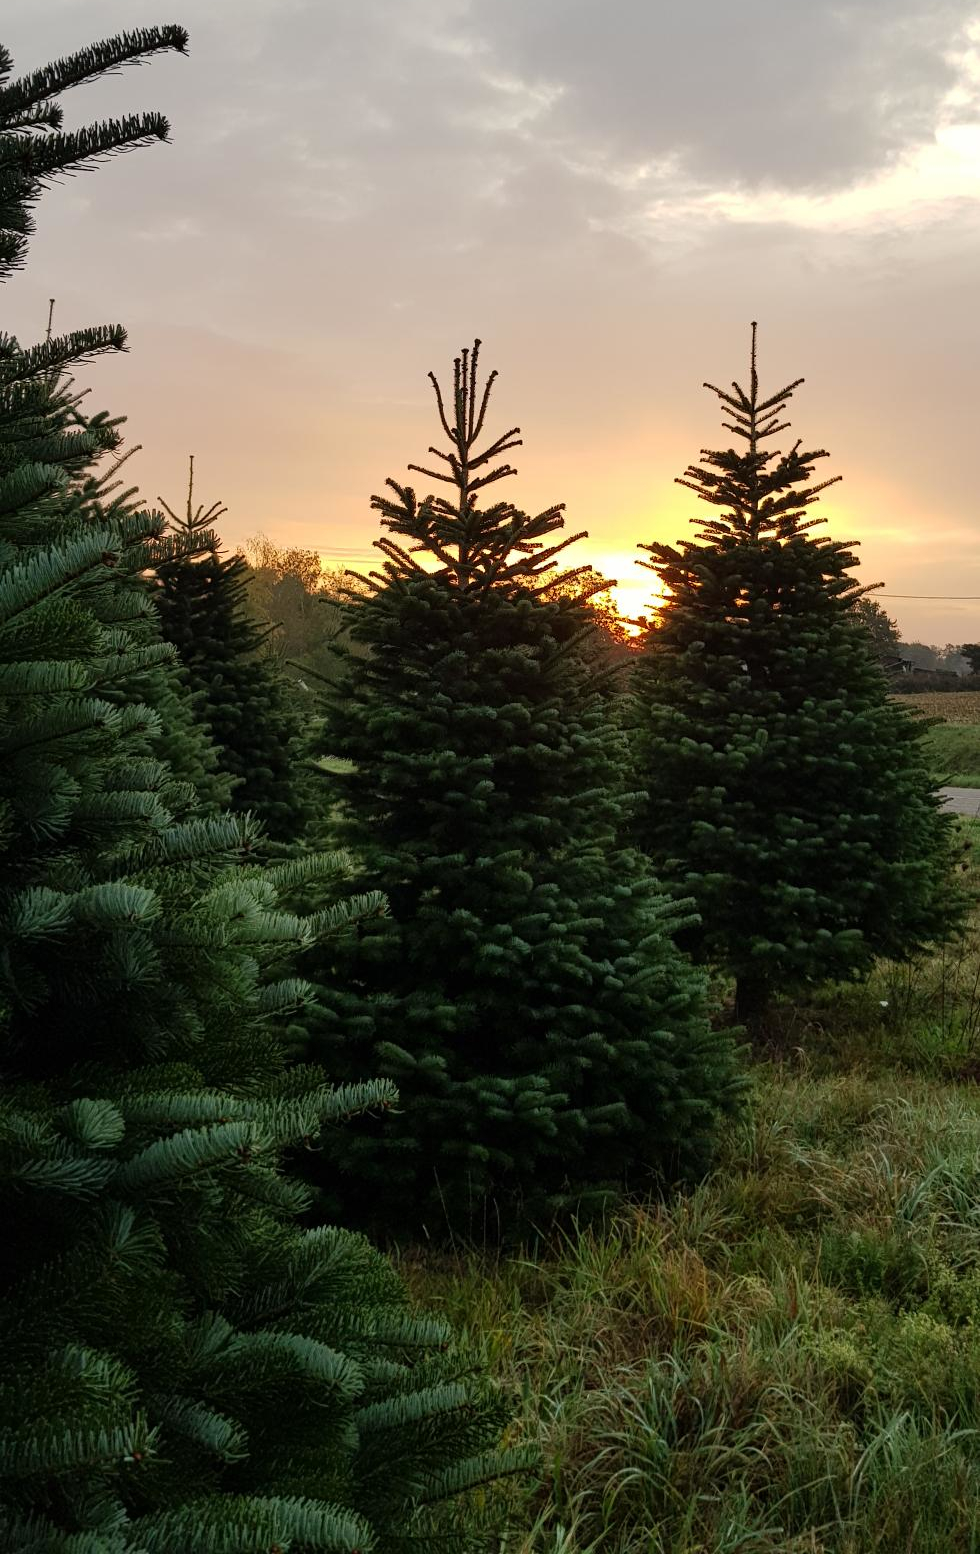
(954,753)
(786,1358)
(954,744)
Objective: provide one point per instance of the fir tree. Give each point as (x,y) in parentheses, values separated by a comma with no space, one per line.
(34,149)
(58,429)
(786,793)
(181,1366)
(244,698)
(547,1039)
(33,146)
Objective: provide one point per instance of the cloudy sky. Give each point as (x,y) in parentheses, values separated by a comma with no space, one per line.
(606,191)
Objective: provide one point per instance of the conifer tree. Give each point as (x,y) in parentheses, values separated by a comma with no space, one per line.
(785,792)
(547,1039)
(34,150)
(181,1365)
(61,424)
(244,698)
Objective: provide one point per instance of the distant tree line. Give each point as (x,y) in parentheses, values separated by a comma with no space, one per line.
(301,603)
(918,666)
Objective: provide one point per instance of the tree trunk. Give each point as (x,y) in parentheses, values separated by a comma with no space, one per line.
(752,995)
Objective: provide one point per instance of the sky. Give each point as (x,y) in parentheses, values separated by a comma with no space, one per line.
(607,192)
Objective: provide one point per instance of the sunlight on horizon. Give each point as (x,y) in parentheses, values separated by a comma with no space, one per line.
(636,592)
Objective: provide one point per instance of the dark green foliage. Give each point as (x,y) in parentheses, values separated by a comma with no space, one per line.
(786,793)
(547,1039)
(881,628)
(203,603)
(55,440)
(864,1262)
(885,638)
(185,740)
(181,1366)
(33,146)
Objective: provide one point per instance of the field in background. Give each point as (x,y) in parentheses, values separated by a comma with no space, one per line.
(954,706)
(954,745)
(786,1359)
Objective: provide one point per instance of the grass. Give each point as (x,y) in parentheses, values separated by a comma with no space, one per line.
(787,1357)
(954,750)
(953,745)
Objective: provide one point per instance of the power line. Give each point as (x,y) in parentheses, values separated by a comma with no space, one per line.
(946,597)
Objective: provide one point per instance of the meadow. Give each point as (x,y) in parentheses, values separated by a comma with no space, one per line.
(785,1359)
(954,743)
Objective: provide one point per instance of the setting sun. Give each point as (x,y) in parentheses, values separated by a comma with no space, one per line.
(636,591)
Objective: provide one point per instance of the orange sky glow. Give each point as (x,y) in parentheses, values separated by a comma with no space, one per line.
(352,193)
(635,592)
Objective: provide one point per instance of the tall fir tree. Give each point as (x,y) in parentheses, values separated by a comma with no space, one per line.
(183,740)
(785,792)
(181,1365)
(243,696)
(548,1041)
(34,149)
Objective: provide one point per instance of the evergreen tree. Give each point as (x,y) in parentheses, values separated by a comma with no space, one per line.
(59,424)
(34,149)
(204,611)
(181,1365)
(547,1039)
(786,793)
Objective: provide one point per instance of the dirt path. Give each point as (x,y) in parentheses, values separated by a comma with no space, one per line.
(962,801)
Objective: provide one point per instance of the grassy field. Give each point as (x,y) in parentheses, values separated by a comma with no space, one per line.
(786,1358)
(954,706)
(955,744)
(954,750)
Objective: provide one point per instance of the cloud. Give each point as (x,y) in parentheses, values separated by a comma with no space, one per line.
(606,190)
(764,93)
(437,127)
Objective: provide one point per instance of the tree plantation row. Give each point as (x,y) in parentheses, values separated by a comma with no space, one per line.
(433,963)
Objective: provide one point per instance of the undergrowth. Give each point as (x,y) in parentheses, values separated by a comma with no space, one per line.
(786,1358)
